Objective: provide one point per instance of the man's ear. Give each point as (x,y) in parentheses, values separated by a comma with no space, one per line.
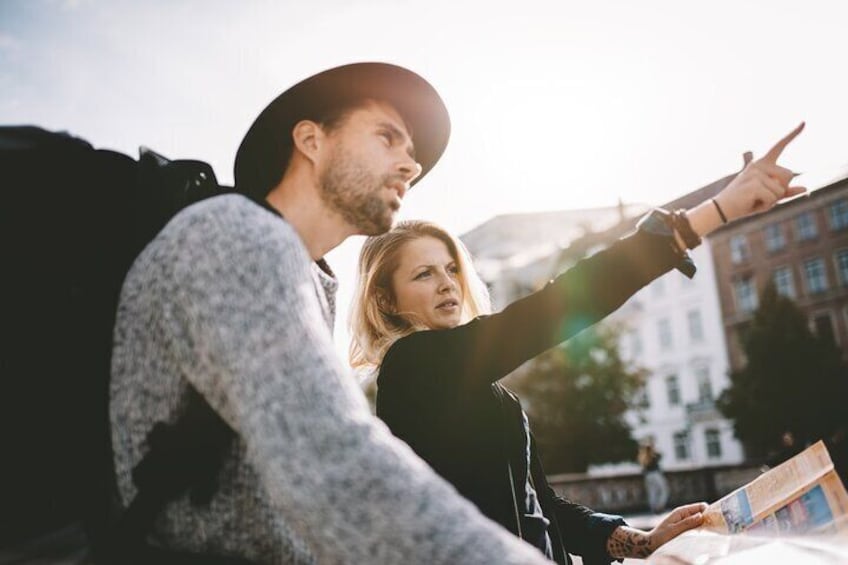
(308,137)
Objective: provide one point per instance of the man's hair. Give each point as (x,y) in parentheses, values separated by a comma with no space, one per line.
(374,327)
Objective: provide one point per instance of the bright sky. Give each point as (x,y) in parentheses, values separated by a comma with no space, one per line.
(555,104)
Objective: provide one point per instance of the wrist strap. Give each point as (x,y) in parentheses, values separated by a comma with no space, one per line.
(680,223)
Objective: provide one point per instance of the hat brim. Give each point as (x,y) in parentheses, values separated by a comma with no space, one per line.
(263,154)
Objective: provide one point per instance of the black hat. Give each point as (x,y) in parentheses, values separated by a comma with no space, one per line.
(265,150)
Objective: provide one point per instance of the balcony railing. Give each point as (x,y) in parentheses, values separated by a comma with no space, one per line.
(626,493)
(702,411)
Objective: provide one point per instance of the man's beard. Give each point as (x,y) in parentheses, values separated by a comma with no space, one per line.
(354,193)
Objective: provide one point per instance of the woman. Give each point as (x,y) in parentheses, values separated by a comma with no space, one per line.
(417,317)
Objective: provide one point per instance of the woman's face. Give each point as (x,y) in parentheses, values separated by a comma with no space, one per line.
(426,284)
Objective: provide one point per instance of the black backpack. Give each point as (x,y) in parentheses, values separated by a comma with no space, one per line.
(74,218)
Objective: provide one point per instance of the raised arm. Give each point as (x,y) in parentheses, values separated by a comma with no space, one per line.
(333,473)
(490,347)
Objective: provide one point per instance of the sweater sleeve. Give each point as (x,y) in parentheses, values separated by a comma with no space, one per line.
(490,347)
(248,329)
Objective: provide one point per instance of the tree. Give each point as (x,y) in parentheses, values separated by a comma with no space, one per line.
(793,380)
(576,396)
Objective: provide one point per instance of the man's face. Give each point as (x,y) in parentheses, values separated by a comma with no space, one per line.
(369,166)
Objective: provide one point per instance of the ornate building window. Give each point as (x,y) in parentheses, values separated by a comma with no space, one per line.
(739,251)
(815,276)
(713,441)
(775,240)
(696,326)
(746,295)
(681,445)
(805,227)
(705,384)
(842,265)
(672,390)
(784,282)
(838,212)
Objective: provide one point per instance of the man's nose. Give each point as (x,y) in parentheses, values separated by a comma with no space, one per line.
(409,168)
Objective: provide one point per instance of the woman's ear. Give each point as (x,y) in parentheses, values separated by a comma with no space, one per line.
(385,303)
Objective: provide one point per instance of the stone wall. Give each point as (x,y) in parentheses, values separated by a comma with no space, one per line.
(626,493)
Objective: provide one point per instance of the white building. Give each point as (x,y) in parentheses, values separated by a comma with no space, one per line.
(674,330)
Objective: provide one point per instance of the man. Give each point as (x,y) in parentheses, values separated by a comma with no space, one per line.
(234,301)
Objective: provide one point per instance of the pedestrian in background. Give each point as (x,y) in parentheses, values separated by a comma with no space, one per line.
(656,484)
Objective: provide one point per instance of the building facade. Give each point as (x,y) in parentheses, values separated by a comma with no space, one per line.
(802,248)
(673,328)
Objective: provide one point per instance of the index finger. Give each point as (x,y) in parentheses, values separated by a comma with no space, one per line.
(778,148)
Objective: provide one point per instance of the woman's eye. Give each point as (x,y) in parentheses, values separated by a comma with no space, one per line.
(387,137)
(421,275)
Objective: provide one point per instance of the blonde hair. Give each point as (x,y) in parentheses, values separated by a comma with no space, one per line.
(374,327)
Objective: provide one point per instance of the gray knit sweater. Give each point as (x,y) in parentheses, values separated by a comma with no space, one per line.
(227,299)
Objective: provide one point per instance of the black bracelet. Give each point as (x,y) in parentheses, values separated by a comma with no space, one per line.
(680,222)
(720,211)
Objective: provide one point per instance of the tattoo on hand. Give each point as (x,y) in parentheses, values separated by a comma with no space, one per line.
(628,542)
